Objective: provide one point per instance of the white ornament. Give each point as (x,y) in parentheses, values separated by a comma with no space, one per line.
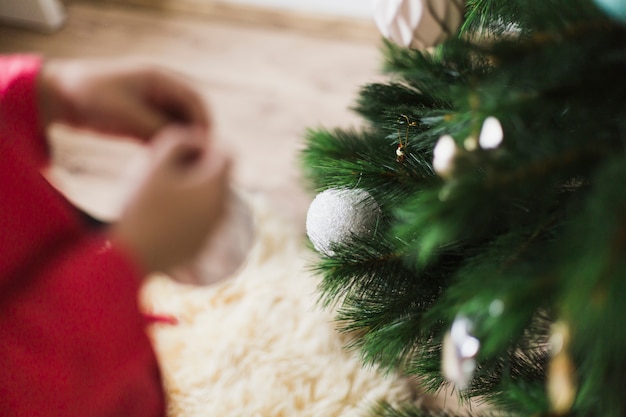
(459,353)
(335,215)
(491,134)
(443,156)
(418,24)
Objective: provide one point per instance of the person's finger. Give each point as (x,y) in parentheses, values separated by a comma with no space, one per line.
(180,146)
(217,164)
(137,120)
(118,113)
(175,99)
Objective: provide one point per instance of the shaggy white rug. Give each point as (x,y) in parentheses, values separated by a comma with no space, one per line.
(257,344)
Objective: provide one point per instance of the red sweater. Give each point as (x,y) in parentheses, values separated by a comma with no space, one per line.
(72,340)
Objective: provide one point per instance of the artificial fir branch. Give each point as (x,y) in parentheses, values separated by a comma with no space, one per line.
(356,269)
(352,280)
(384,409)
(563,165)
(535,226)
(495,17)
(349,159)
(393,341)
(594,289)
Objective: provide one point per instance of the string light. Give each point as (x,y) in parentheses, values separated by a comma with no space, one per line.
(491,134)
(443,155)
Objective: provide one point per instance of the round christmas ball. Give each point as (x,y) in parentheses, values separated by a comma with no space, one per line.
(338,214)
(418,24)
(615,9)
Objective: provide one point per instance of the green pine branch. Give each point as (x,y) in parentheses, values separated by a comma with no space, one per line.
(514,237)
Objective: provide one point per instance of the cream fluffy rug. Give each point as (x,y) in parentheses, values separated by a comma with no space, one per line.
(257,345)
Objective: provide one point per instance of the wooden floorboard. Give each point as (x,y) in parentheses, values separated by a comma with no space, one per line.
(265,85)
(315,24)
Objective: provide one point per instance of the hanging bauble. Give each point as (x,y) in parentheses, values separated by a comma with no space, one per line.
(561,380)
(615,9)
(418,24)
(459,353)
(491,134)
(337,214)
(444,155)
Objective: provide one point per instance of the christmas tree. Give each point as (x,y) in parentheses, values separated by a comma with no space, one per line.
(472,231)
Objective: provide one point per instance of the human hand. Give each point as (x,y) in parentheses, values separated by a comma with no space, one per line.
(178,204)
(116,98)
(227,248)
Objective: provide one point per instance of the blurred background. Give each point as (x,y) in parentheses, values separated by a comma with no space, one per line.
(269,70)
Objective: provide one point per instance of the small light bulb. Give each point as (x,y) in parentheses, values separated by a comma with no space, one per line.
(496,308)
(470,144)
(443,155)
(491,134)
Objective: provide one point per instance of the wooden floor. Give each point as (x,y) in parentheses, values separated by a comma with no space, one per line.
(265,85)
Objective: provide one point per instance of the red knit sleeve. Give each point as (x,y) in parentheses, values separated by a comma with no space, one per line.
(72,339)
(19,114)
(73,343)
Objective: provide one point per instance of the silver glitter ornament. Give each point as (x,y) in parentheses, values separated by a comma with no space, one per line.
(337,214)
(459,353)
